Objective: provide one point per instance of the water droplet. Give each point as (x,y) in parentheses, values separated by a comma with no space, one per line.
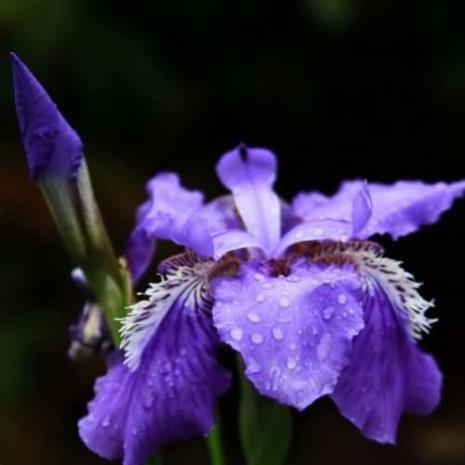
(106,422)
(260,298)
(256,338)
(236,334)
(258,277)
(342,299)
(253,366)
(284,302)
(328,312)
(148,401)
(291,363)
(253,317)
(278,333)
(318,231)
(165,368)
(323,347)
(267,286)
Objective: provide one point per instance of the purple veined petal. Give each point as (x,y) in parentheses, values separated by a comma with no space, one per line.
(294,333)
(169,390)
(398,209)
(251,180)
(51,144)
(140,249)
(168,214)
(171,205)
(362,209)
(387,375)
(220,214)
(231,240)
(316,230)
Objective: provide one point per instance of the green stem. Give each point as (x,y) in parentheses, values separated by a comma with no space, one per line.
(215,449)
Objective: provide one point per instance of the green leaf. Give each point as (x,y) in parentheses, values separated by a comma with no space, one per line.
(265,428)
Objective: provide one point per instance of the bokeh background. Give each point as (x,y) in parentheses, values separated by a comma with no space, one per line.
(337,88)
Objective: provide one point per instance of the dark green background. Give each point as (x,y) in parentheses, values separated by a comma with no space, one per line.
(338,88)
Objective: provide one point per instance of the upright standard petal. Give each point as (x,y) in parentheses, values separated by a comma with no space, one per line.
(362,209)
(387,375)
(295,332)
(250,173)
(398,209)
(169,389)
(51,144)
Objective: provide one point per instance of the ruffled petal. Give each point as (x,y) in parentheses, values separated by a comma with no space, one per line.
(387,375)
(362,209)
(169,389)
(294,333)
(398,209)
(251,179)
(170,206)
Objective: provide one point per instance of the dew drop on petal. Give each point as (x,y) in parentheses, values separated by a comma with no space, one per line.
(256,338)
(328,312)
(236,334)
(253,317)
(148,401)
(258,277)
(291,363)
(323,347)
(260,298)
(284,302)
(267,286)
(106,422)
(278,333)
(253,366)
(342,298)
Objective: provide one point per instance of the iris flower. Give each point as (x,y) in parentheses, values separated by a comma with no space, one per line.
(299,290)
(313,307)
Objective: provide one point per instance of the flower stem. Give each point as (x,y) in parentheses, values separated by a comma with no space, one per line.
(215,449)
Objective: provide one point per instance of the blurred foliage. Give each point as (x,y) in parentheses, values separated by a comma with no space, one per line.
(338,88)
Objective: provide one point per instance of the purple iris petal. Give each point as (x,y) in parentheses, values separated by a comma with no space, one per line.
(171,392)
(170,206)
(398,209)
(51,144)
(316,230)
(387,375)
(139,252)
(251,179)
(231,240)
(362,209)
(294,333)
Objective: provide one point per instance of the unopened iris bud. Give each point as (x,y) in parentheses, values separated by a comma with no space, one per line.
(52,146)
(57,164)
